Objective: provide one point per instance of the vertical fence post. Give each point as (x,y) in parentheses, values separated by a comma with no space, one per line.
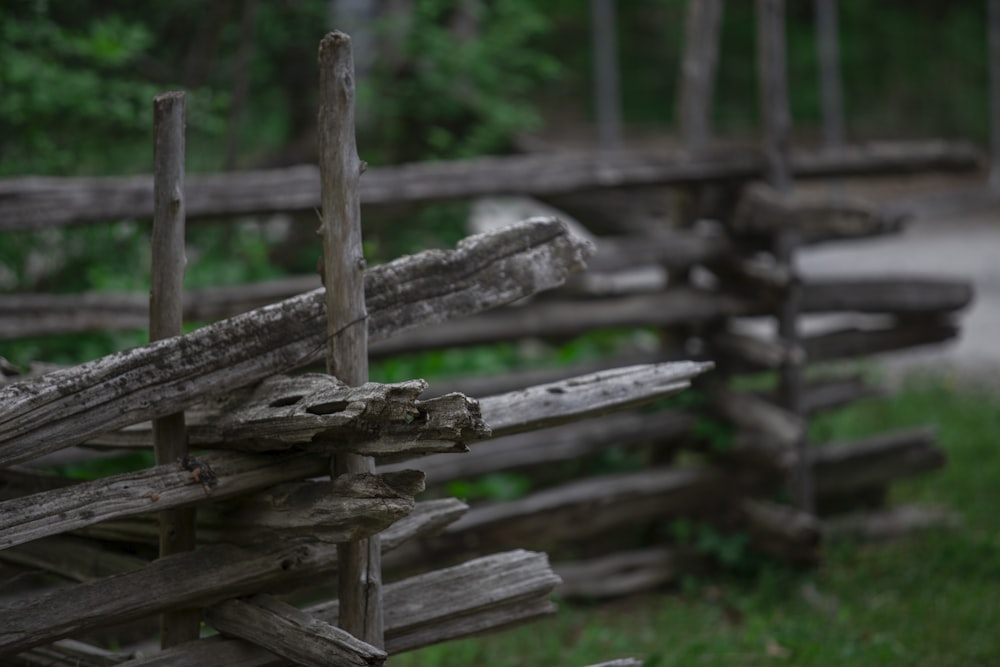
(994,69)
(777,125)
(607,94)
(774,91)
(359,563)
(831,92)
(166,315)
(701,55)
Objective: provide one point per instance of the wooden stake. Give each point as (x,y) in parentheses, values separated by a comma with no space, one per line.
(360,571)
(607,94)
(994,69)
(831,92)
(777,130)
(166,296)
(774,91)
(701,54)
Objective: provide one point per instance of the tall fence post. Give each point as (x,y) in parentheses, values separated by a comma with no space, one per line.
(701,55)
(777,125)
(360,562)
(166,316)
(831,91)
(607,93)
(994,68)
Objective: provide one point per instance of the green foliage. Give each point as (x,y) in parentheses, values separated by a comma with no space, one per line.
(99,468)
(443,96)
(497,487)
(74,99)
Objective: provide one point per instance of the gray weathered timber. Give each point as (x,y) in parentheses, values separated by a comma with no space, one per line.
(320,414)
(892,523)
(359,582)
(621,573)
(482,386)
(899,295)
(72,558)
(67,407)
(701,54)
(587,395)
(858,341)
(783,531)
(477,596)
(561,443)
(355,506)
(828,52)
(293,634)
(69,653)
(763,211)
(166,319)
(620,662)
(213,476)
(570,318)
(753,413)
(850,466)
(36,202)
(579,510)
(607,93)
(28,314)
(208,575)
(832,393)
(772,75)
(764,352)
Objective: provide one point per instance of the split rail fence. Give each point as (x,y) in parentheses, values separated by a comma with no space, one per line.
(271,531)
(260,438)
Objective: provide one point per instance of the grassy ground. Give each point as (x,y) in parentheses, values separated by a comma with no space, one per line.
(932,599)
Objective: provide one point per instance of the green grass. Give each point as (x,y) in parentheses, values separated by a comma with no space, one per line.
(931,599)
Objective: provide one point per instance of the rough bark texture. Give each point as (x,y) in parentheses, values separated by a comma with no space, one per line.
(319,413)
(357,505)
(570,400)
(69,406)
(290,633)
(166,319)
(202,577)
(199,479)
(27,314)
(477,596)
(763,211)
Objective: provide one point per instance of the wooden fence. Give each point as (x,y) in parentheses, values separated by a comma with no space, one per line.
(260,438)
(270,533)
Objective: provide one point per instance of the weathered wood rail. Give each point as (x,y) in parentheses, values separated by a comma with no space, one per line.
(36,202)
